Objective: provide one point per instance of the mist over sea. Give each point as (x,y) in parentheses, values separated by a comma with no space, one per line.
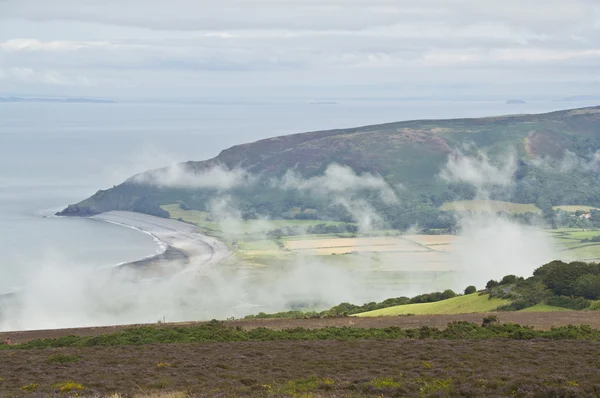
(52,155)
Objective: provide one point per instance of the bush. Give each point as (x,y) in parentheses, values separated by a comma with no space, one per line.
(61,358)
(470,289)
(447,294)
(491,283)
(490,321)
(588,286)
(509,280)
(574,303)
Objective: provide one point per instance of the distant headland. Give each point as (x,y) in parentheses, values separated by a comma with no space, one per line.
(58,100)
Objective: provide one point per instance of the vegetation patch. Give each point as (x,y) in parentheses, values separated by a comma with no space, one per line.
(494,206)
(457,305)
(67,387)
(30,387)
(62,358)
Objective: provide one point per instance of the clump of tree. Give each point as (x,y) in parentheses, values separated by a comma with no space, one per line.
(347,309)
(470,290)
(567,285)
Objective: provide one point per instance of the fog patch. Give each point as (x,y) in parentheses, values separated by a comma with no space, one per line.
(492,244)
(478,170)
(181,176)
(569,162)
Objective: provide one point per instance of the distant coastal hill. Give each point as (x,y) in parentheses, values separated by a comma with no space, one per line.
(58,100)
(515,102)
(555,166)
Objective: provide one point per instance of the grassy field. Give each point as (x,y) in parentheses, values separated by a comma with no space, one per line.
(491,206)
(544,308)
(201,219)
(457,305)
(570,247)
(574,208)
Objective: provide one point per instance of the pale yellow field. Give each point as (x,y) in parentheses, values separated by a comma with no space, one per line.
(490,206)
(364,249)
(432,239)
(347,243)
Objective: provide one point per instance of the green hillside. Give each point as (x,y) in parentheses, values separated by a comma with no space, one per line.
(457,305)
(554,167)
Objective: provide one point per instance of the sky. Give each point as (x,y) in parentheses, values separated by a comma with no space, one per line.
(314,49)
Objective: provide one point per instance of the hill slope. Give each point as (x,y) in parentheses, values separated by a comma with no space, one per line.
(457,305)
(555,166)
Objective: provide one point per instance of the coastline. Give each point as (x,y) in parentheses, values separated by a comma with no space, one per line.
(179,243)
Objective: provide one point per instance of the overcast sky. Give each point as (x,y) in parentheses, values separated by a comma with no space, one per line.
(299,48)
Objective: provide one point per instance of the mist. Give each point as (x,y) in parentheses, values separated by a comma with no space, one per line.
(487,246)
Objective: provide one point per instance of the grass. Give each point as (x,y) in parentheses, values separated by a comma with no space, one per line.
(262,245)
(61,358)
(201,219)
(490,205)
(544,308)
(457,305)
(574,208)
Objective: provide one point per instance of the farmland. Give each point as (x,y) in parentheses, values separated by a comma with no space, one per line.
(490,206)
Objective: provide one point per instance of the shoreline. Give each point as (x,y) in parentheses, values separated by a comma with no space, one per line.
(179,242)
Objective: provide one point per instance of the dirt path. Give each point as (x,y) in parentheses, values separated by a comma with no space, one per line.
(539,320)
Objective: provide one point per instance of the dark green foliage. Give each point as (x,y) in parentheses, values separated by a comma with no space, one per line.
(62,358)
(560,277)
(489,321)
(491,283)
(518,305)
(574,303)
(219,332)
(588,286)
(509,280)
(470,289)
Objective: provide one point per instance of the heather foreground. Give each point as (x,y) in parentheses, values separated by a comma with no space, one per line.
(464,359)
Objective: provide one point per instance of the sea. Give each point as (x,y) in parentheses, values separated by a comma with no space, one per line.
(55,154)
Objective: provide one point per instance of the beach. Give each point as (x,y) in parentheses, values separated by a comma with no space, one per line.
(184,247)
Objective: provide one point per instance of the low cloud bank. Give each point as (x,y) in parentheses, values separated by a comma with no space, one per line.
(489,246)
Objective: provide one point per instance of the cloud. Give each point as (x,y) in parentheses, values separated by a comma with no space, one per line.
(569,162)
(181,176)
(290,48)
(15,45)
(47,77)
(340,180)
(480,171)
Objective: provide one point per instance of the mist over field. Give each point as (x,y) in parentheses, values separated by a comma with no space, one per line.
(488,246)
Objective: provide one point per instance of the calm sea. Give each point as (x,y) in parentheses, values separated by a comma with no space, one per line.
(52,155)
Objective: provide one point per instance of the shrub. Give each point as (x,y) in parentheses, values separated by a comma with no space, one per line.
(490,321)
(588,286)
(67,386)
(574,303)
(447,294)
(491,283)
(509,280)
(30,387)
(470,289)
(61,358)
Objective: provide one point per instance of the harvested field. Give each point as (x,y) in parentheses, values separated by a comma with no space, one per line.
(539,320)
(348,245)
(494,367)
(432,239)
(490,206)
